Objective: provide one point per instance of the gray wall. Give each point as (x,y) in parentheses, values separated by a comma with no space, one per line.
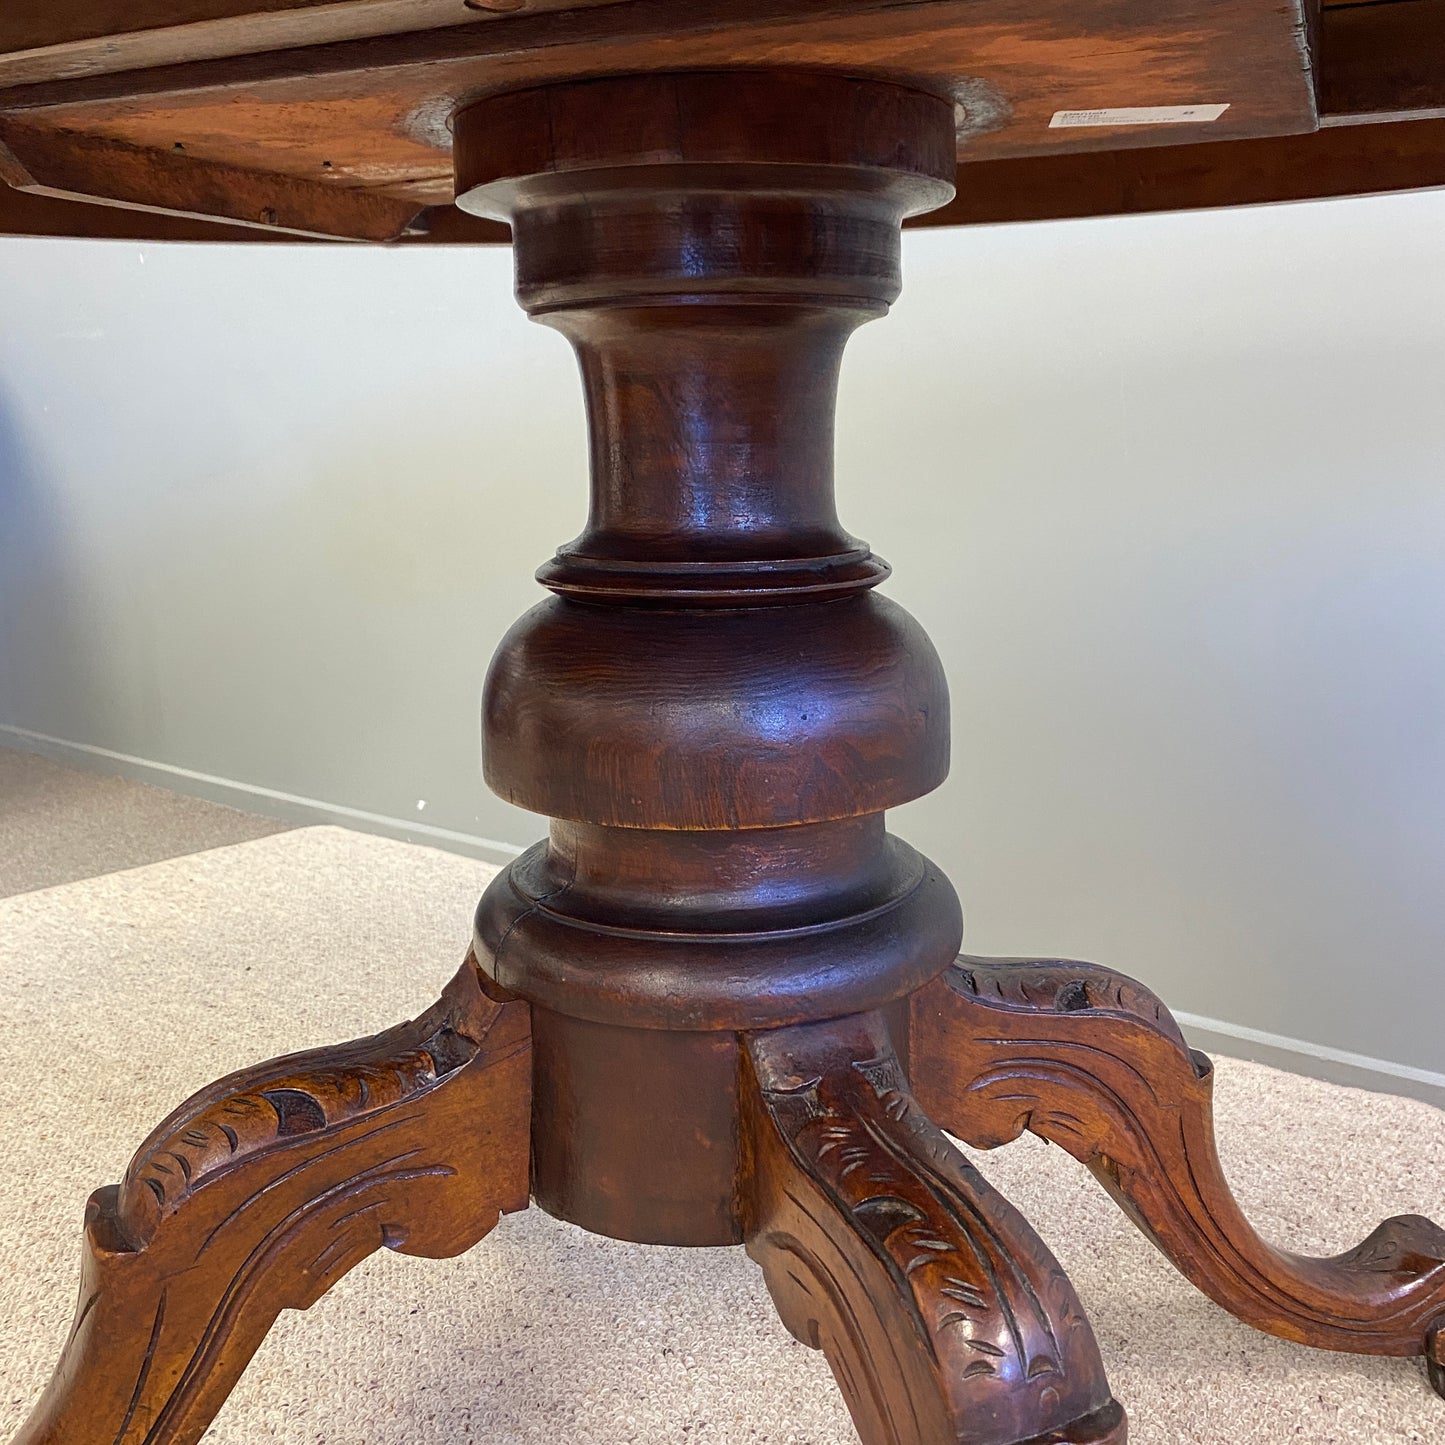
(1169,493)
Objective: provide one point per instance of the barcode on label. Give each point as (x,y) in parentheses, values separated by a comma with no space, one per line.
(1139,115)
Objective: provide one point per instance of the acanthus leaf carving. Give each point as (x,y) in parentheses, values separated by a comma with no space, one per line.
(1093,1062)
(884,1247)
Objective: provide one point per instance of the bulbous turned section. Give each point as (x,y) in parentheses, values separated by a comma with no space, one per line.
(715,709)
(708,273)
(749,718)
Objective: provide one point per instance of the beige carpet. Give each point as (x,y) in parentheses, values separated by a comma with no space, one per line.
(59,824)
(121,994)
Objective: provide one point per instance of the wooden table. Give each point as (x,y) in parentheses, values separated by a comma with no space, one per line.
(720,1004)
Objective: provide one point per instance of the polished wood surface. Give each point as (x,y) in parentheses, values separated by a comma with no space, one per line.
(306,119)
(720,997)
(376,108)
(715,705)
(258,1194)
(46,40)
(1382,63)
(942,1314)
(1093,1062)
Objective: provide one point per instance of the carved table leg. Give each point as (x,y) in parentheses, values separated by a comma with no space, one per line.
(1092,1061)
(260,1192)
(943,1316)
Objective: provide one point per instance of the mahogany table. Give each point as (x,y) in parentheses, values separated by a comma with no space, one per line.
(720,1004)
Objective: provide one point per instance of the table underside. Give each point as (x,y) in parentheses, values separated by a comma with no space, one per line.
(291,119)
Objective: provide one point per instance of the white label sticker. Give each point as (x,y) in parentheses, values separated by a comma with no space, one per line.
(1139,115)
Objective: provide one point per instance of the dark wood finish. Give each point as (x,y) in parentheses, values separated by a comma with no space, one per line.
(728,965)
(370,114)
(46,40)
(273,114)
(1352,160)
(1093,1062)
(875,721)
(942,1314)
(263,1190)
(1382,62)
(635,1130)
(715,706)
(1010,64)
(620,926)
(720,861)
(1348,161)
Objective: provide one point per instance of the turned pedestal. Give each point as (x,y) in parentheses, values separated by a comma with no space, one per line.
(720,1004)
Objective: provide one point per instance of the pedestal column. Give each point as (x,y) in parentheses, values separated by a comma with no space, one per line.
(715,707)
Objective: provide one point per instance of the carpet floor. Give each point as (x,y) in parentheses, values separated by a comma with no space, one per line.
(121,994)
(60,824)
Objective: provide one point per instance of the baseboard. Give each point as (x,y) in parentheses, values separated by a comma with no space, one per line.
(248,797)
(1316,1061)
(1297,1056)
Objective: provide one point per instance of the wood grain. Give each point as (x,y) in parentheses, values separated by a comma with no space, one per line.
(244,88)
(46,40)
(371,114)
(1093,1062)
(262,1191)
(942,1314)
(1382,63)
(601,922)
(730,962)
(716,707)
(78,167)
(1340,161)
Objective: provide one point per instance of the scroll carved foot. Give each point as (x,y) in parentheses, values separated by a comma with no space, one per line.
(260,1192)
(1092,1061)
(941,1313)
